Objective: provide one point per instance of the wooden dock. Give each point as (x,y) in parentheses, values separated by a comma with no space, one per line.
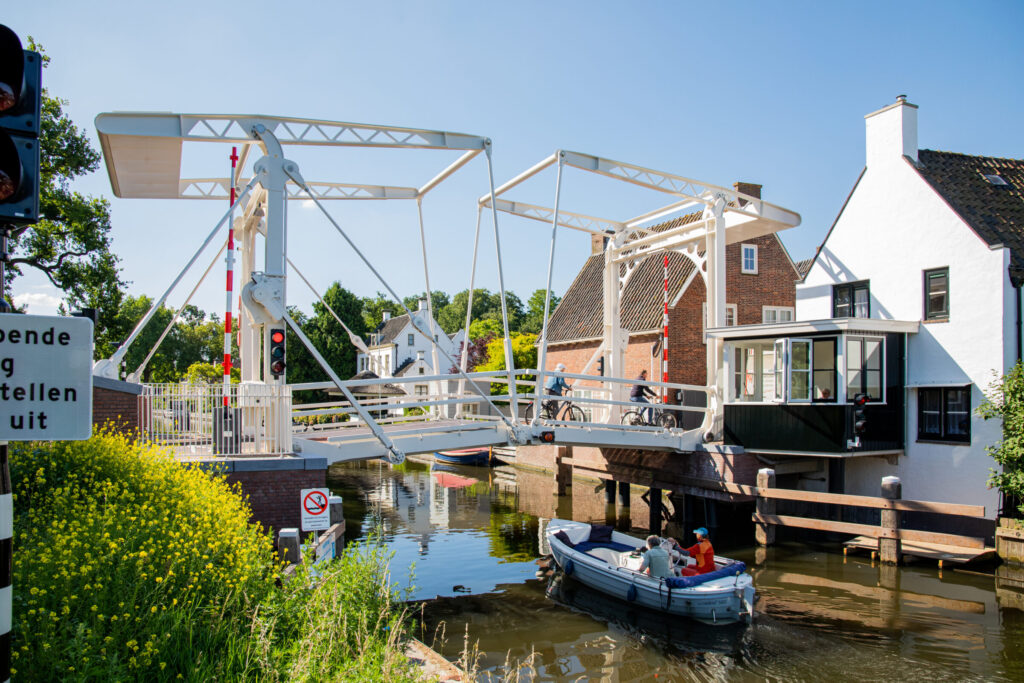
(943,554)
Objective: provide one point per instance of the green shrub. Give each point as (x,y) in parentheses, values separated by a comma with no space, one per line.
(129,566)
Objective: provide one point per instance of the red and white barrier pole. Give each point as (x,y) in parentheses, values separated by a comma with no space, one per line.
(230,282)
(664,341)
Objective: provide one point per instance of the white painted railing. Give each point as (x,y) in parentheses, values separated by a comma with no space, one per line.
(192,418)
(599,411)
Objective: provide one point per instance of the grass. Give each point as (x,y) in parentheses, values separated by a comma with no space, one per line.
(129,566)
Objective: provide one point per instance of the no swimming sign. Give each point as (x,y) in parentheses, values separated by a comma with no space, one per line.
(45,378)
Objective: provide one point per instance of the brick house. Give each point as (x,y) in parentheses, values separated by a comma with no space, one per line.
(760,287)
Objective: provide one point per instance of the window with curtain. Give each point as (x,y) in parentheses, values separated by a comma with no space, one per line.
(944,414)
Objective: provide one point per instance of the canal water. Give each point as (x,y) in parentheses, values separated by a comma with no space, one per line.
(466,540)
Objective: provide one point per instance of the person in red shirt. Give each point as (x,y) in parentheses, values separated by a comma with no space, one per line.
(700,551)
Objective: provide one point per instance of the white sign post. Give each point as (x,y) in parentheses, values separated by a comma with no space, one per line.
(315,509)
(45,378)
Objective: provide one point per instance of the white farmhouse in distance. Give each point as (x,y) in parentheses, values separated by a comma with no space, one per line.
(396,349)
(913,299)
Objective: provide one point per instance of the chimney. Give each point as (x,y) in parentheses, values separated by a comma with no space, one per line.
(423,304)
(751,189)
(597,243)
(892,133)
(387,316)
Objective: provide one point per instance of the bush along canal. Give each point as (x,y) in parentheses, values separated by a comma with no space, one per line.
(468,540)
(129,566)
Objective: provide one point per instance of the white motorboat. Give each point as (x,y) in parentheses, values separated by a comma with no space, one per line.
(611,561)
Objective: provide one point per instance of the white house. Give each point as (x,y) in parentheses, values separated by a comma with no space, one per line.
(396,349)
(913,300)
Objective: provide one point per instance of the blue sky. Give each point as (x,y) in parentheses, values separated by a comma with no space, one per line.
(772,93)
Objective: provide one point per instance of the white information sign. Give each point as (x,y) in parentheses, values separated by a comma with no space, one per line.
(315,509)
(45,378)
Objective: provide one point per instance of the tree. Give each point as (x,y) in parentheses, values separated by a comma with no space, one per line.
(1005,400)
(533,320)
(524,356)
(70,245)
(373,310)
(438,300)
(485,329)
(486,306)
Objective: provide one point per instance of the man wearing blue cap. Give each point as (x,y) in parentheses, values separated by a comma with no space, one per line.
(702,552)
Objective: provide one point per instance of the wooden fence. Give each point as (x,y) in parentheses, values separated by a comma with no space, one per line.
(889,534)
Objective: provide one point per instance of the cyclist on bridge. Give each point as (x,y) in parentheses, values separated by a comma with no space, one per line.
(555,386)
(639,394)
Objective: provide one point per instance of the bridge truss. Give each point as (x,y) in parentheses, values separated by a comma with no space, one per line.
(143,154)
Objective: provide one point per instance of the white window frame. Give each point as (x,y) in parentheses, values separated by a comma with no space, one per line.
(846,370)
(411,339)
(743,258)
(777,310)
(789,369)
(704,319)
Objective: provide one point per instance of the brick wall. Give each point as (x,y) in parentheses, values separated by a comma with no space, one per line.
(116,406)
(274,495)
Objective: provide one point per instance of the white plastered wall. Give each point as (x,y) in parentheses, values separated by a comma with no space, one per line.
(894,227)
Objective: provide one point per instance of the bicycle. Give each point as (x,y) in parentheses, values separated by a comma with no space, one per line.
(637,417)
(551,411)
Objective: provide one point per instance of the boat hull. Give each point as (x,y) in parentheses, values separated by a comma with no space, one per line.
(722,601)
(468,456)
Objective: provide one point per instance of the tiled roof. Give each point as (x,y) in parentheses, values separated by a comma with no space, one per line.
(579,314)
(389,329)
(995,212)
(803,266)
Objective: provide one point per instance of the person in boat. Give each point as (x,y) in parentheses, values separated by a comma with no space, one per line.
(700,551)
(555,386)
(656,561)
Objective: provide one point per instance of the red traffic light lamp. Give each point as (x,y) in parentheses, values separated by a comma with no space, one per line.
(277,364)
(20,102)
(860,421)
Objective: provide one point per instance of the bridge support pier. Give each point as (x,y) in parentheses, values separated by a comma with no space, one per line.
(655,511)
(563,470)
(624,494)
(609,491)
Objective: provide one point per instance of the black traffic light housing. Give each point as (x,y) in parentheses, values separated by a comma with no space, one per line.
(600,366)
(860,419)
(20,103)
(277,339)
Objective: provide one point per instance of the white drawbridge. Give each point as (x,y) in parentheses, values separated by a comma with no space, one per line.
(143,153)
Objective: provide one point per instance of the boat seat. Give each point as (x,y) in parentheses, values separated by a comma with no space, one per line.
(588,546)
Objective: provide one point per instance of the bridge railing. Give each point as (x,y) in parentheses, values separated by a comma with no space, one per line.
(599,407)
(193,419)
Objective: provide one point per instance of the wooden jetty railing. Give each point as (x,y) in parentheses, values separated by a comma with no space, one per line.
(888,533)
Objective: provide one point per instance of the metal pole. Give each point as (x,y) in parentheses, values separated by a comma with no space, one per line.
(6,509)
(664,341)
(230,284)
(430,305)
(542,357)
(513,401)
(469,304)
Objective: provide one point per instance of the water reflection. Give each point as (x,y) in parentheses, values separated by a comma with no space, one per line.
(821,615)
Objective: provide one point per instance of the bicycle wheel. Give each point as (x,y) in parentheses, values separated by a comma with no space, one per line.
(633,418)
(576,414)
(667,420)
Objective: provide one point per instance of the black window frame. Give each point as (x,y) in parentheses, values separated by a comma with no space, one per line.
(942,435)
(852,288)
(941,315)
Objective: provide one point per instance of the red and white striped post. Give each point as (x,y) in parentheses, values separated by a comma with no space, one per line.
(664,341)
(230,283)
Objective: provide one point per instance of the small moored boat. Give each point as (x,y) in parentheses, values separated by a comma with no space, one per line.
(464,456)
(608,561)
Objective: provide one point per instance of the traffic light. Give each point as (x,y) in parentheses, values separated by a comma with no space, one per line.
(600,366)
(277,352)
(20,100)
(860,419)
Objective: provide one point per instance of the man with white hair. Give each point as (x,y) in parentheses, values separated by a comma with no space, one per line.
(555,386)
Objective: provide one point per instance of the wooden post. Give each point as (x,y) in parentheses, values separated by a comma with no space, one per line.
(609,491)
(337,518)
(563,470)
(889,549)
(624,494)
(765,533)
(288,545)
(654,523)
